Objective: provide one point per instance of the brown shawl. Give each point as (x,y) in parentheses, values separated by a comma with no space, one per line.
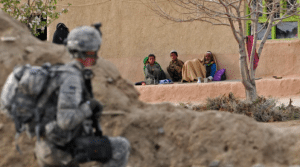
(192,69)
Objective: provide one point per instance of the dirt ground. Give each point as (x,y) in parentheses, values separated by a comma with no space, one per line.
(161,135)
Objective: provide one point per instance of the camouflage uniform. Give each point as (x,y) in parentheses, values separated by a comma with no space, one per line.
(71,120)
(175,70)
(153,74)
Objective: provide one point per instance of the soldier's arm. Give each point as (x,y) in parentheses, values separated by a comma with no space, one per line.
(72,110)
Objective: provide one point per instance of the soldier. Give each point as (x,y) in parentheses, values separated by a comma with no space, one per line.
(70,115)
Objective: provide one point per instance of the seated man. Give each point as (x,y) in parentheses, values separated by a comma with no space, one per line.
(175,67)
(206,68)
(153,71)
(210,65)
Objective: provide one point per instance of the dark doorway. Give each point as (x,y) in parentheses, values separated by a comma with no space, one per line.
(42,36)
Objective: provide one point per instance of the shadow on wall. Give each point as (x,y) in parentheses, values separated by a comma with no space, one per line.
(167,74)
(231,64)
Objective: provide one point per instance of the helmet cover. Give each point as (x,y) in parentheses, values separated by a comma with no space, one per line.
(84,39)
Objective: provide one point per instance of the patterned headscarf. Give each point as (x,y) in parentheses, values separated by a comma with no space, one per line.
(145,61)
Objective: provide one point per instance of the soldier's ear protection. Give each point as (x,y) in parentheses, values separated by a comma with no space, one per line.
(97,26)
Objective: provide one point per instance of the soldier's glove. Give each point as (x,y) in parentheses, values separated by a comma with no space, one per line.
(98,132)
(96,107)
(97,127)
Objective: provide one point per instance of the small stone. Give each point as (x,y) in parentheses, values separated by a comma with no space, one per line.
(8,39)
(214,163)
(258,165)
(161,130)
(1,126)
(29,49)
(228,165)
(110,80)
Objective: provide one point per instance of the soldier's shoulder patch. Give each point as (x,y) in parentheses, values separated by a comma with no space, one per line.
(69,90)
(71,85)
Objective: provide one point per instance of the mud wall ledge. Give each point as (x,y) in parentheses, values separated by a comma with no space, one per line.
(195,93)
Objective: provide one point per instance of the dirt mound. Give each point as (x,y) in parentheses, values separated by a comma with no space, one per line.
(19,47)
(161,135)
(165,136)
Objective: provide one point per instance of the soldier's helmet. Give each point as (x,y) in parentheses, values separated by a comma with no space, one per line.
(84,39)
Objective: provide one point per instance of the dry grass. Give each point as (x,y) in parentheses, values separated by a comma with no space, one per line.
(262,110)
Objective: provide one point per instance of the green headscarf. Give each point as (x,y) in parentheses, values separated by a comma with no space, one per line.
(145,60)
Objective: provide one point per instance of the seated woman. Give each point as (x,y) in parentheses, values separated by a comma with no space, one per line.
(206,68)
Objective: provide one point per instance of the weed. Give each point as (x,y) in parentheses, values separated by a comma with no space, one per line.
(262,109)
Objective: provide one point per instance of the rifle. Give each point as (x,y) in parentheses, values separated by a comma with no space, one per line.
(97,125)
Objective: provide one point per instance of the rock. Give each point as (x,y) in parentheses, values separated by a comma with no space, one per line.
(29,49)
(214,163)
(161,131)
(229,165)
(8,39)
(110,80)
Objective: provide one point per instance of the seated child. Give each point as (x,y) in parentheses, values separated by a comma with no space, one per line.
(175,67)
(153,71)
